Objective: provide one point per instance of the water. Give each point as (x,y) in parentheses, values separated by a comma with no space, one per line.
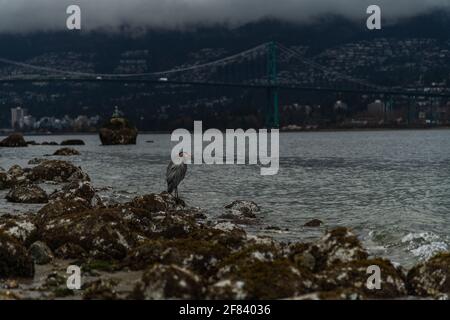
(391,187)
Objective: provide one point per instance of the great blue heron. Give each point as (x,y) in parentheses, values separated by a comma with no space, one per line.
(176,171)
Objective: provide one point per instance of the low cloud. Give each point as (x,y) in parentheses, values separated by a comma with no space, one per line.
(35,15)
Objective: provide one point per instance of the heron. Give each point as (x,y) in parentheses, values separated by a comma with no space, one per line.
(176,171)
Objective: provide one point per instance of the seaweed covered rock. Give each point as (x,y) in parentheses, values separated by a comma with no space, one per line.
(103,233)
(168,282)
(241,212)
(54,170)
(432,277)
(199,254)
(155,202)
(70,251)
(18,175)
(242,207)
(14,140)
(102,289)
(35,161)
(339,245)
(352,276)
(73,142)
(260,271)
(40,253)
(66,152)
(275,279)
(5,181)
(22,227)
(118,131)
(58,207)
(75,189)
(14,258)
(313,223)
(28,193)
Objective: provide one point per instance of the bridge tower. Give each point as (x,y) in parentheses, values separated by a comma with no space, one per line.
(272,111)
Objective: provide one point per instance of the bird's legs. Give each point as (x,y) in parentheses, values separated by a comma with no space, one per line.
(176,192)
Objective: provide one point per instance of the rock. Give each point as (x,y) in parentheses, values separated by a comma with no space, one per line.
(200,256)
(51,143)
(157,202)
(260,271)
(300,255)
(57,207)
(14,259)
(73,142)
(14,140)
(54,170)
(352,276)
(66,152)
(18,175)
(432,277)
(32,143)
(245,208)
(75,189)
(22,228)
(40,253)
(118,131)
(101,289)
(227,289)
(313,223)
(276,279)
(70,251)
(168,282)
(104,233)
(339,245)
(28,193)
(241,212)
(36,161)
(5,181)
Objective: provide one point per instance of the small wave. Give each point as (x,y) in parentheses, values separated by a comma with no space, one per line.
(424,245)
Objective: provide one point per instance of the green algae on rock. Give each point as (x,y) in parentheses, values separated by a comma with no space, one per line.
(27,193)
(168,282)
(14,258)
(432,277)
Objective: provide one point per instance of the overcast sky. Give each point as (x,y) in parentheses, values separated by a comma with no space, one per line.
(26,15)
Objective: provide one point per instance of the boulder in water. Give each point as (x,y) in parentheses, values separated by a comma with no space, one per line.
(432,277)
(55,170)
(118,131)
(66,152)
(27,193)
(14,140)
(73,142)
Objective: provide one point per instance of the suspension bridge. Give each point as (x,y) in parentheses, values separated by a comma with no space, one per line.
(270,66)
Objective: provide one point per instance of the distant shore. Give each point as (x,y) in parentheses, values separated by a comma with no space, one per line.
(334,129)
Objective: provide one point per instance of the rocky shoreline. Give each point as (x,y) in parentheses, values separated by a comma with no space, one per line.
(157,247)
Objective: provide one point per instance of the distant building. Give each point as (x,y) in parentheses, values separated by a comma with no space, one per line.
(17,117)
(376,108)
(340,106)
(29,121)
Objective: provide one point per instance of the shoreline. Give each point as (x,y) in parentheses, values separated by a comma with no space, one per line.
(158,247)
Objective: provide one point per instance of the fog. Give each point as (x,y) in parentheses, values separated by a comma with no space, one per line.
(35,15)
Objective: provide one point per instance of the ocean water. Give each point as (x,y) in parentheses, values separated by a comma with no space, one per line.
(391,187)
